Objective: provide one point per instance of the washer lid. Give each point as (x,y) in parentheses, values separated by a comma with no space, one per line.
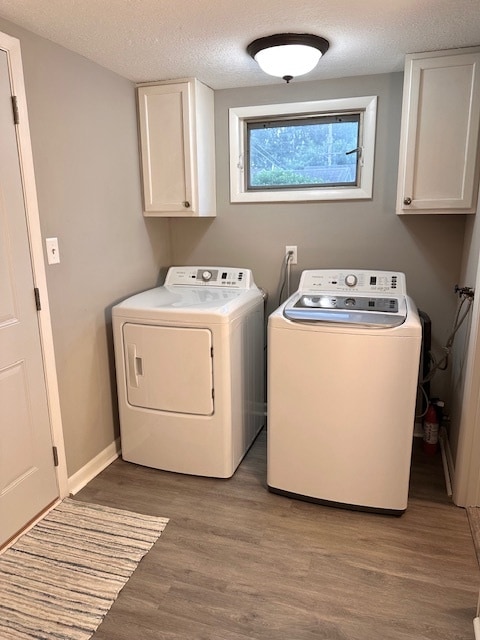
(366,311)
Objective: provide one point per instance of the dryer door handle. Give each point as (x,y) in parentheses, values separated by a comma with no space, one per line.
(135,365)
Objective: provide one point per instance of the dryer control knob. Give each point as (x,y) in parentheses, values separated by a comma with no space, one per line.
(351,280)
(206,276)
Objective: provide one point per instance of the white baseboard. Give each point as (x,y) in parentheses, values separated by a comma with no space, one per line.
(94,467)
(418,429)
(443,441)
(448,452)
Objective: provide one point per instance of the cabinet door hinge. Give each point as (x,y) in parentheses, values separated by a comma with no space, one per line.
(37,299)
(55,457)
(16,116)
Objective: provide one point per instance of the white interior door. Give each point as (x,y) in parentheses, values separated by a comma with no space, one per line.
(28,480)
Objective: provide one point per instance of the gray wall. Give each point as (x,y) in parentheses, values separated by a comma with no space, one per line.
(362,234)
(84,139)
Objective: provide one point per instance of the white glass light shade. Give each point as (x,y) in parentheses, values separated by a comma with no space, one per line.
(288,60)
(286,55)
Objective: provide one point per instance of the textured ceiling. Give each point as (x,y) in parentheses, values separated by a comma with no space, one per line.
(147,40)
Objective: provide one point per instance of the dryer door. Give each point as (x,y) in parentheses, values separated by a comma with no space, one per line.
(169,368)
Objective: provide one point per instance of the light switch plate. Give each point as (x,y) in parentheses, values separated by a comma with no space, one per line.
(53,254)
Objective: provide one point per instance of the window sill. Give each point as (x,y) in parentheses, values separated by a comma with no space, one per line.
(300,195)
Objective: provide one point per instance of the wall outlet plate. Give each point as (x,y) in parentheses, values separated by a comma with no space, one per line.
(293,249)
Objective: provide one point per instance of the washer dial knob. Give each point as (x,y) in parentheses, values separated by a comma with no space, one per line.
(351,280)
(206,276)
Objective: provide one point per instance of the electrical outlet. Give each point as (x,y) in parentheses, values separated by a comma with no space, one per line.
(294,256)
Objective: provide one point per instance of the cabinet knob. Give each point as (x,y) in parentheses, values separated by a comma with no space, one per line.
(186,204)
(407,201)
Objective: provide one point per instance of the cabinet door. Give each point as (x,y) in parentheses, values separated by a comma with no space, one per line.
(439,141)
(165,133)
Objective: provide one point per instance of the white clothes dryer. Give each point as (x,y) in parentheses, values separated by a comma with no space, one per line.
(190,371)
(343,364)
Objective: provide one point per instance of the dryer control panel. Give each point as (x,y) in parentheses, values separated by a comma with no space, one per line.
(359,281)
(229,277)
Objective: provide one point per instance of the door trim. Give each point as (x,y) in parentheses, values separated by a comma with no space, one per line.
(466,479)
(11,46)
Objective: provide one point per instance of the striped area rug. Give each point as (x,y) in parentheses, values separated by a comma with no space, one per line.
(58,581)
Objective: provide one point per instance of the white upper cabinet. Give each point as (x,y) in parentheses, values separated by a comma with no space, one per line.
(438,164)
(177,141)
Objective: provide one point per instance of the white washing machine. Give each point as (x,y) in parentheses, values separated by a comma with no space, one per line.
(343,363)
(190,371)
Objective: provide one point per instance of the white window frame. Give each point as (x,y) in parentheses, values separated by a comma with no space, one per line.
(237,141)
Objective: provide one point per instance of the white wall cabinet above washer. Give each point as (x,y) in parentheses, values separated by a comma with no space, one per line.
(438,164)
(177,146)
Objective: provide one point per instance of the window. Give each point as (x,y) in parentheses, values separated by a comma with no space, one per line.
(320,150)
(302,152)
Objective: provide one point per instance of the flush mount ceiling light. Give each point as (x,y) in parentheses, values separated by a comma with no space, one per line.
(287,55)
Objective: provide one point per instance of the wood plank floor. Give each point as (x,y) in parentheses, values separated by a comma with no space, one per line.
(237,562)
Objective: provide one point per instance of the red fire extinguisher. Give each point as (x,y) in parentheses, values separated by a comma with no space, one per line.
(430,430)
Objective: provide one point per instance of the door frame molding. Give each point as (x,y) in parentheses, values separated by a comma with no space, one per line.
(11,46)
(466,481)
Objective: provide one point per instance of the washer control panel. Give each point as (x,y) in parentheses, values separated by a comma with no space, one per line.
(360,281)
(229,277)
(361,303)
